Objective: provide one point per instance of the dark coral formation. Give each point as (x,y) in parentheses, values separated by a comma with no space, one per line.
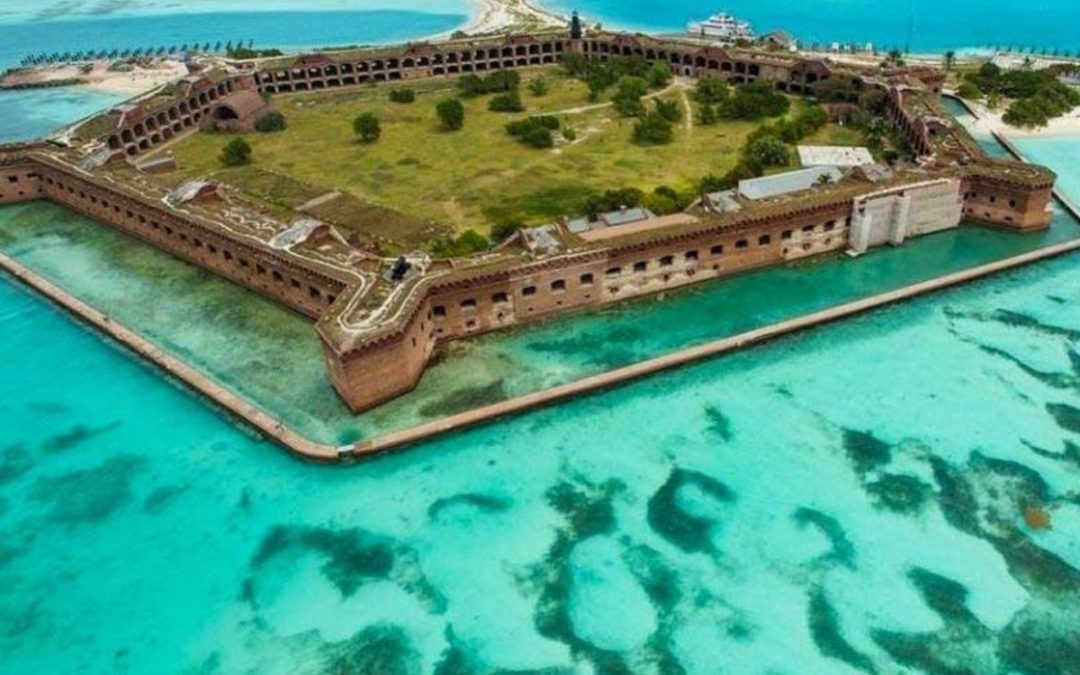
(75,437)
(88,495)
(376,650)
(719,424)
(866,451)
(476,501)
(828,634)
(353,556)
(841,550)
(689,532)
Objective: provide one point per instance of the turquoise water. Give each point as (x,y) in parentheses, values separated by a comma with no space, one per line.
(849,499)
(934,26)
(1060,153)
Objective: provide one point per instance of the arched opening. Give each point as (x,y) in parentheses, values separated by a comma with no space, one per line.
(224,113)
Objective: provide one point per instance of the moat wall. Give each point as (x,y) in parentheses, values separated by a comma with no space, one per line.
(256,267)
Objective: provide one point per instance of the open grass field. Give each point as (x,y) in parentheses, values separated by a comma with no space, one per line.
(470,178)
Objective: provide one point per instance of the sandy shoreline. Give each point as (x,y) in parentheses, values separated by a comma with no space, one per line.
(989,121)
(494,16)
(99,77)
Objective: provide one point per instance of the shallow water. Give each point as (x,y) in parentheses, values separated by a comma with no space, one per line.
(848,499)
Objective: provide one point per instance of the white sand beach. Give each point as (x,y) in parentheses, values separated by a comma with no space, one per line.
(100,77)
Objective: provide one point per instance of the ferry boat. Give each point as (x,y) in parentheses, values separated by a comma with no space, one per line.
(723,26)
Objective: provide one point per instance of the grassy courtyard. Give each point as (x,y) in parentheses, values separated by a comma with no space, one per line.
(474,177)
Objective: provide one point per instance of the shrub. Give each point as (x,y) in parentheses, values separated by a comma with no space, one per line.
(627,98)
(569,134)
(521,127)
(366,126)
(707,114)
(969,91)
(538,137)
(538,86)
(653,129)
(402,95)
(501,81)
(510,102)
(270,122)
(669,110)
(503,230)
(711,90)
(754,101)
(467,243)
(236,152)
(534,131)
(658,75)
(612,200)
(451,113)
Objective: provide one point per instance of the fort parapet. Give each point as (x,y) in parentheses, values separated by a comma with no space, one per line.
(379,332)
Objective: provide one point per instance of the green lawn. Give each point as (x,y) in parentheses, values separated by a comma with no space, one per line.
(470,178)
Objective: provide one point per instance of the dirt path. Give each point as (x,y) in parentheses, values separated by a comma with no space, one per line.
(599,106)
(688,112)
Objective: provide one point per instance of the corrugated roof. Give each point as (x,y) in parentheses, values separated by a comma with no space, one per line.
(624,216)
(784,183)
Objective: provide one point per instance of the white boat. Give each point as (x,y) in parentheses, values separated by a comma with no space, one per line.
(723,26)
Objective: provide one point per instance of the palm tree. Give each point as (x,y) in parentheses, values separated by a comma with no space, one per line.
(950,59)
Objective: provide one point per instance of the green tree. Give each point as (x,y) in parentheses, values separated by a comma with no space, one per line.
(950,59)
(707,114)
(271,121)
(451,113)
(509,102)
(658,75)
(669,110)
(538,86)
(236,152)
(627,98)
(653,129)
(367,128)
(711,90)
(768,151)
(505,229)
(538,137)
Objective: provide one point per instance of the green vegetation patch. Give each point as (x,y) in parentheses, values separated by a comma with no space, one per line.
(477,176)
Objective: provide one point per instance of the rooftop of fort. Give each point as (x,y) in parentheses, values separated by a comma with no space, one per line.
(378,305)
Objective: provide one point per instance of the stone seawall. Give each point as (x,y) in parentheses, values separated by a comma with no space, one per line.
(238,406)
(250,263)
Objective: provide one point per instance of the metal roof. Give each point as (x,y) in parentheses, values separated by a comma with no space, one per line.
(784,183)
(624,216)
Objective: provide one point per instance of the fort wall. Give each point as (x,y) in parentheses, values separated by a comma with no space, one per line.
(287,281)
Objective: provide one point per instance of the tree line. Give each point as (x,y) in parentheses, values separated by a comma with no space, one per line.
(229,48)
